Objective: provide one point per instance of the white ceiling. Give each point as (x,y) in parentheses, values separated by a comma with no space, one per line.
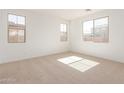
(68,14)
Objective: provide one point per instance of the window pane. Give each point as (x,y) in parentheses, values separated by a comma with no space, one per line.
(63,28)
(101,22)
(63,36)
(88,30)
(21,20)
(20,35)
(12,19)
(13,37)
(101,30)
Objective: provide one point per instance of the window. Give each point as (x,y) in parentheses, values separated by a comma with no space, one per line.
(16,28)
(96,30)
(88,30)
(101,30)
(63,32)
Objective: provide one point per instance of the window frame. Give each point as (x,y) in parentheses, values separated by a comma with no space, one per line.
(94,28)
(8,27)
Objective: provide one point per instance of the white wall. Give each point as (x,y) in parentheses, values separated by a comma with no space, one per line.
(42,36)
(114,50)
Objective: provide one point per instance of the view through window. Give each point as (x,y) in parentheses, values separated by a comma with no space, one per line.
(63,32)
(16,28)
(88,30)
(96,30)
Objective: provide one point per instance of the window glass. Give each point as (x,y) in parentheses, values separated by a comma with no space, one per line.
(16,28)
(101,30)
(63,32)
(88,30)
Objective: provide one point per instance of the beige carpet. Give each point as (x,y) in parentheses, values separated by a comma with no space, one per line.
(47,70)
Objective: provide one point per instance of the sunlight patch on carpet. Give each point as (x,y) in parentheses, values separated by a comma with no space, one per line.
(70,59)
(78,63)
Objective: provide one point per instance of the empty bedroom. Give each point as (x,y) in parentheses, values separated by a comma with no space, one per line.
(61,46)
